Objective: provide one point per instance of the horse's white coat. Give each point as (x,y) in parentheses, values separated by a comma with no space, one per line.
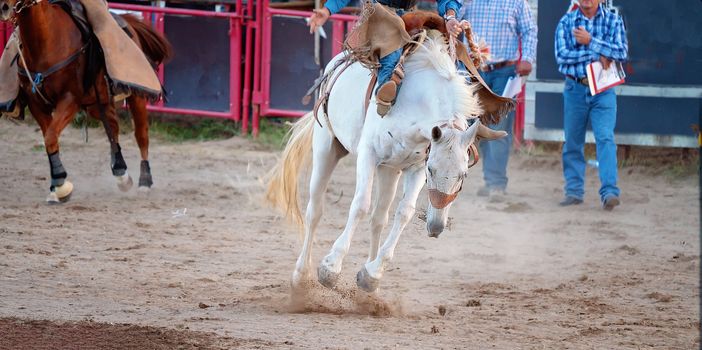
(433,100)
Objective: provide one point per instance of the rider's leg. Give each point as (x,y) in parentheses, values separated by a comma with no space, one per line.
(390,76)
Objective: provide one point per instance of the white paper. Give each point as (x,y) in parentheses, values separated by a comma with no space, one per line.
(513,87)
(601,79)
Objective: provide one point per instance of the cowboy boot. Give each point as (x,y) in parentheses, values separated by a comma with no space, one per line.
(387,93)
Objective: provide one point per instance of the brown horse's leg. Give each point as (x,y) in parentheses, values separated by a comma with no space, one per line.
(62,115)
(137,105)
(118,165)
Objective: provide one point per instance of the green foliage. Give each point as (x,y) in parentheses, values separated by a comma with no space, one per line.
(193,130)
(273,132)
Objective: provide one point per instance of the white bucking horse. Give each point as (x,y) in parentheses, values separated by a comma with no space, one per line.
(426,136)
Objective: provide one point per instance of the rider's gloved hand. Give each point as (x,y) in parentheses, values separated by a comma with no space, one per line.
(453,27)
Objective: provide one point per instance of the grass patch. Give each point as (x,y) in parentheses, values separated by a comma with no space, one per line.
(672,163)
(273,132)
(193,130)
(175,129)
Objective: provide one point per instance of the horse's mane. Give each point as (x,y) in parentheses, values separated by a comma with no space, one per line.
(433,54)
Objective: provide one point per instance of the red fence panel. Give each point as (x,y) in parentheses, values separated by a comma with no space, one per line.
(235,20)
(263,94)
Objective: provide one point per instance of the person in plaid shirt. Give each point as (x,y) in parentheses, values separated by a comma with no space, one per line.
(502,24)
(583,36)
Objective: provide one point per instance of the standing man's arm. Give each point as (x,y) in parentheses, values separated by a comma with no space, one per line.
(565,53)
(616,47)
(526,27)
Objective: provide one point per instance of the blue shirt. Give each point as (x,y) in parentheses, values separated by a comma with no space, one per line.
(502,23)
(608,40)
(335,6)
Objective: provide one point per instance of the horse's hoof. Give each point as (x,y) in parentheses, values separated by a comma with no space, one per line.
(366,282)
(300,280)
(144,190)
(124,182)
(326,277)
(60,194)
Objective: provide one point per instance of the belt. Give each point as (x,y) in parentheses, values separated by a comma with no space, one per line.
(494,66)
(399,4)
(582,80)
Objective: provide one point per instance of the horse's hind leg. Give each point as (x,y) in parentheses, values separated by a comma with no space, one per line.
(369,277)
(326,154)
(137,105)
(118,165)
(61,189)
(330,267)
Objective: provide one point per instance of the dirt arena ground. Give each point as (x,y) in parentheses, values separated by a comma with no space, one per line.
(201,263)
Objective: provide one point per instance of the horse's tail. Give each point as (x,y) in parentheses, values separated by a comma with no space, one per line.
(282,180)
(154,45)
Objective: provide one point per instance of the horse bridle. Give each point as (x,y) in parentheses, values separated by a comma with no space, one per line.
(447,199)
(21,5)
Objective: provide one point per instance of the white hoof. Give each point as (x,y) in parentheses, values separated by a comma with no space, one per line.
(301,278)
(124,182)
(60,194)
(144,190)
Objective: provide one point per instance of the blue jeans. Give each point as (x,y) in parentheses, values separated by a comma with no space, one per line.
(601,110)
(387,65)
(495,154)
(389,62)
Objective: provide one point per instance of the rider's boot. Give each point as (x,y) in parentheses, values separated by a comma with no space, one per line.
(387,93)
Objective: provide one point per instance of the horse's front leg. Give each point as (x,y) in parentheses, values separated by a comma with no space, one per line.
(330,267)
(369,277)
(61,189)
(386,186)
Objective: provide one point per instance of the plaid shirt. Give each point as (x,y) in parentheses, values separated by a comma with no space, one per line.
(502,23)
(442,6)
(608,40)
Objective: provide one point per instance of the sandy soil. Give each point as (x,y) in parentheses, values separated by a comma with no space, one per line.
(202,254)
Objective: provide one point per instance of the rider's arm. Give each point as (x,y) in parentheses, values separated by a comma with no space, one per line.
(445,5)
(335,6)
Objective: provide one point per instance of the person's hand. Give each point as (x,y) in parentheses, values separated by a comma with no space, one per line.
(582,36)
(318,18)
(605,62)
(523,68)
(454,27)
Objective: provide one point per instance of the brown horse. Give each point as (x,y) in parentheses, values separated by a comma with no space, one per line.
(52,42)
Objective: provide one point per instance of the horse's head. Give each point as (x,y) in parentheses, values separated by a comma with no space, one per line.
(447,166)
(7,9)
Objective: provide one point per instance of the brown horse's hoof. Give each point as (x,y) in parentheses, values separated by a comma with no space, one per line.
(124,182)
(60,194)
